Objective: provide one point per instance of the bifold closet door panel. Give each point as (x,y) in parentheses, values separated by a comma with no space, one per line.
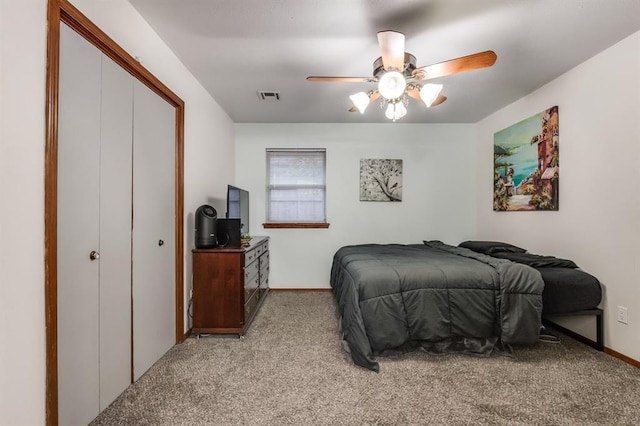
(153,282)
(78,215)
(115,230)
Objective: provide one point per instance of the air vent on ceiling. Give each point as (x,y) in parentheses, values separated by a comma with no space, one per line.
(268,96)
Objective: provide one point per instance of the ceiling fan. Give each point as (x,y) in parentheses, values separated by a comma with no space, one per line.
(398,78)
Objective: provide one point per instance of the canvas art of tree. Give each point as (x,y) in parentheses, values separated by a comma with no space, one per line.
(380,180)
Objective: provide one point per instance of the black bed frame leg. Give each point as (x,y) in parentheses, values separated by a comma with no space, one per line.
(599,331)
(599,343)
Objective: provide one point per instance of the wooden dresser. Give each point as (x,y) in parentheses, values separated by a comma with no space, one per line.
(229,286)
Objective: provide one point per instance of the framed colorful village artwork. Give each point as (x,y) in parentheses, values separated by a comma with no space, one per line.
(526,164)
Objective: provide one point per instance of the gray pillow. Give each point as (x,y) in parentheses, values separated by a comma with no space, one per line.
(489,247)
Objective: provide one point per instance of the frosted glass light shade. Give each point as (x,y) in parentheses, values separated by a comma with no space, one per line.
(360,100)
(395,111)
(401,110)
(429,93)
(389,112)
(392,85)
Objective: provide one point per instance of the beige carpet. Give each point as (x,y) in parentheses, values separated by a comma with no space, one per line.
(291,370)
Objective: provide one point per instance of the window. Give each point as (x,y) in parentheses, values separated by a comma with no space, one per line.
(296,189)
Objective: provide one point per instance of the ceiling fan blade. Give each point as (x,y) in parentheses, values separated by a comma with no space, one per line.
(342,79)
(440,99)
(415,94)
(455,66)
(392,48)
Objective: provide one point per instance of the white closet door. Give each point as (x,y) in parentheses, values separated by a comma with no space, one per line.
(153,228)
(115,231)
(78,215)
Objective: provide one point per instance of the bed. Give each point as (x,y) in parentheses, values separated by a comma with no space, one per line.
(438,297)
(568,290)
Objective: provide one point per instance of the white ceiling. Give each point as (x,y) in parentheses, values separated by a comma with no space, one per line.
(237,48)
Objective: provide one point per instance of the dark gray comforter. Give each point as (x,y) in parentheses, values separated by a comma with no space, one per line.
(389,295)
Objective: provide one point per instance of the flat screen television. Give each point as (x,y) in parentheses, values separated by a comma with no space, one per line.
(238,206)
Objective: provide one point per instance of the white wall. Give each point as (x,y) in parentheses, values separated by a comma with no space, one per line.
(438,190)
(598,224)
(22,82)
(209,167)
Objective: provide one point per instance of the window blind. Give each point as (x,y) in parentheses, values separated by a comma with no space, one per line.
(296,189)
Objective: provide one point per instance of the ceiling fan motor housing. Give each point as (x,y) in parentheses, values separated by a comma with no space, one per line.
(409,66)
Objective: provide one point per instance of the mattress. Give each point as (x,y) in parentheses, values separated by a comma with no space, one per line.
(567,288)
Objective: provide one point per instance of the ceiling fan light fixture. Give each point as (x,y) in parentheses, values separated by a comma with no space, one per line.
(361,101)
(395,110)
(429,93)
(392,85)
(399,79)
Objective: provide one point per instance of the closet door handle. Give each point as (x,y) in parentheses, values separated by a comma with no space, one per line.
(94,255)
(161,243)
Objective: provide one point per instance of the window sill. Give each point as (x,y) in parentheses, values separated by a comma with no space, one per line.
(295,225)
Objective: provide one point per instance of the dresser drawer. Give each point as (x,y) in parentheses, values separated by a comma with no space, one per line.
(264,274)
(264,288)
(250,286)
(251,255)
(264,259)
(251,270)
(251,305)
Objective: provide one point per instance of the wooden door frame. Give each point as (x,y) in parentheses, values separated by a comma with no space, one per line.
(61,11)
